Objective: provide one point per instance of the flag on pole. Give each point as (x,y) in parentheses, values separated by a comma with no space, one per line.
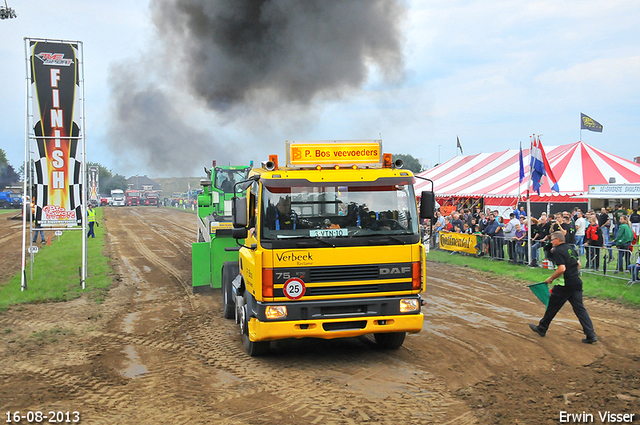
(521,164)
(540,167)
(587,123)
(459,145)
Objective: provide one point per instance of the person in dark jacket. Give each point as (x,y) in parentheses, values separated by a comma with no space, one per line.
(634,220)
(457,223)
(594,241)
(569,230)
(567,262)
(37,228)
(541,241)
(490,230)
(499,236)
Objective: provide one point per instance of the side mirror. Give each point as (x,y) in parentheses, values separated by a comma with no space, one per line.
(239,233)
(239,211)
(427,205)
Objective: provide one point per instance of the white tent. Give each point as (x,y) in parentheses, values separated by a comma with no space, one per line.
(496,175)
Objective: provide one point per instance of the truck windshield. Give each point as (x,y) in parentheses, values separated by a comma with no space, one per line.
(226,179)
(332,211)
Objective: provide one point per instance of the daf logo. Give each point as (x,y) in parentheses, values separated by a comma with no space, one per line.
(394,270)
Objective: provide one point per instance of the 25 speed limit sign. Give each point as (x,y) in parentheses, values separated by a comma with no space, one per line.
(294,288)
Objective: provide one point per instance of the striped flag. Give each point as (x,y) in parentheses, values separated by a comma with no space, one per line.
(540,167)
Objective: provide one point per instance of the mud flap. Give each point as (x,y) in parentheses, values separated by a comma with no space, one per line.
(200,267)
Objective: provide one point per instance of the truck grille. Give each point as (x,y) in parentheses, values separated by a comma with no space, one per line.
(342,273)
(351,289)
(368,276)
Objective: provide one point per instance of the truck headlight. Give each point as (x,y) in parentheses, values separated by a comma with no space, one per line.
(276,312)
(408,305)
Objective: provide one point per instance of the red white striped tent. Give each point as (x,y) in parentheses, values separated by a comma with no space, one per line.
(495,175)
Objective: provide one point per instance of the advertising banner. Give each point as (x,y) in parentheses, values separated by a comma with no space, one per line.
(615,190)
(458,242)
(94,184)
(364,153)
(55,83)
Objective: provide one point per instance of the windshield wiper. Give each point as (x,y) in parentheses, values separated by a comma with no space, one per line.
(315,242)
(387,238)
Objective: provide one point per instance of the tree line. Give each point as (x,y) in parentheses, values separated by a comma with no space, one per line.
(109,181)
(106,178)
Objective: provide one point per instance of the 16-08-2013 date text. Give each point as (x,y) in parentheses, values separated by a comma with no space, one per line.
(36,417)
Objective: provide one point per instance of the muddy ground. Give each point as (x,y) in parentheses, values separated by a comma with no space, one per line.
(154,353)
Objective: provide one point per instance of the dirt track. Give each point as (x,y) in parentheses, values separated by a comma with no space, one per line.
(154,353)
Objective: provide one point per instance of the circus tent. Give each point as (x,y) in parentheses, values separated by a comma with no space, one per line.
(496,175)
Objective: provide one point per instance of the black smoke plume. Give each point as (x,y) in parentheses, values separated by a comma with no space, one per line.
(240,57)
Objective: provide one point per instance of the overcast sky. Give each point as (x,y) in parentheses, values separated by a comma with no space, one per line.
(489,72)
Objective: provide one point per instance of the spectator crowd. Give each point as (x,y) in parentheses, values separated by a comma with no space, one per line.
(595,235)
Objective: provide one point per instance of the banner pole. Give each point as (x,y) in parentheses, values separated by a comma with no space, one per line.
(84,172)
(529,227)
(23,276)
(529,204)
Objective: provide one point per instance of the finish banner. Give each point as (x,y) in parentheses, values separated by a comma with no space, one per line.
(461,242)
(94,184)
(55,87)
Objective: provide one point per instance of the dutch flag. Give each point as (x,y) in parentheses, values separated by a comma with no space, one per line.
(540,167)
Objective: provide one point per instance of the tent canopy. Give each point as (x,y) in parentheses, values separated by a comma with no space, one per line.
(496,175)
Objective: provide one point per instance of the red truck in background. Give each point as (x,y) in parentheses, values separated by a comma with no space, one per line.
(149,197)
(132,197)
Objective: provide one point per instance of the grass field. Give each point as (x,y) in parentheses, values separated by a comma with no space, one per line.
(56,271)
(598,286)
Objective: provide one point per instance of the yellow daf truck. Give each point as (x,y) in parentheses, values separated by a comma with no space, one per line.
(332,247)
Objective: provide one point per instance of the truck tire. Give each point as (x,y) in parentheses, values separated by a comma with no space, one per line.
(230,270)
(254,349)
(390,340)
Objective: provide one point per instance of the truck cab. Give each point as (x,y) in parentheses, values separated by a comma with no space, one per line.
(117,198)
(132,197)
(331,249)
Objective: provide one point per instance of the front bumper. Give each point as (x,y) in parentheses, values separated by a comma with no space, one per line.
(334,328)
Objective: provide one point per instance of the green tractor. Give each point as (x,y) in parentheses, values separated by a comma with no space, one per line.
(214,225)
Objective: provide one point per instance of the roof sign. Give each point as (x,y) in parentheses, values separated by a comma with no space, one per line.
(331,153)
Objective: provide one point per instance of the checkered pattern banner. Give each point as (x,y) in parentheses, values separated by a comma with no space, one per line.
(55,88)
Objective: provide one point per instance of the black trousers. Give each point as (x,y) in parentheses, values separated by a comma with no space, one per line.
(559,296)
(511,249)
(593,257)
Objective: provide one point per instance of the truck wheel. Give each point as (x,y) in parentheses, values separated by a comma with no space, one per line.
(390,340)
(254,349)
(229,272)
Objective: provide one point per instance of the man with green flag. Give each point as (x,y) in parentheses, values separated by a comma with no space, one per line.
(567,264)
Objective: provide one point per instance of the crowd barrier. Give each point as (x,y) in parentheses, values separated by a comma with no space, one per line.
(609,260)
